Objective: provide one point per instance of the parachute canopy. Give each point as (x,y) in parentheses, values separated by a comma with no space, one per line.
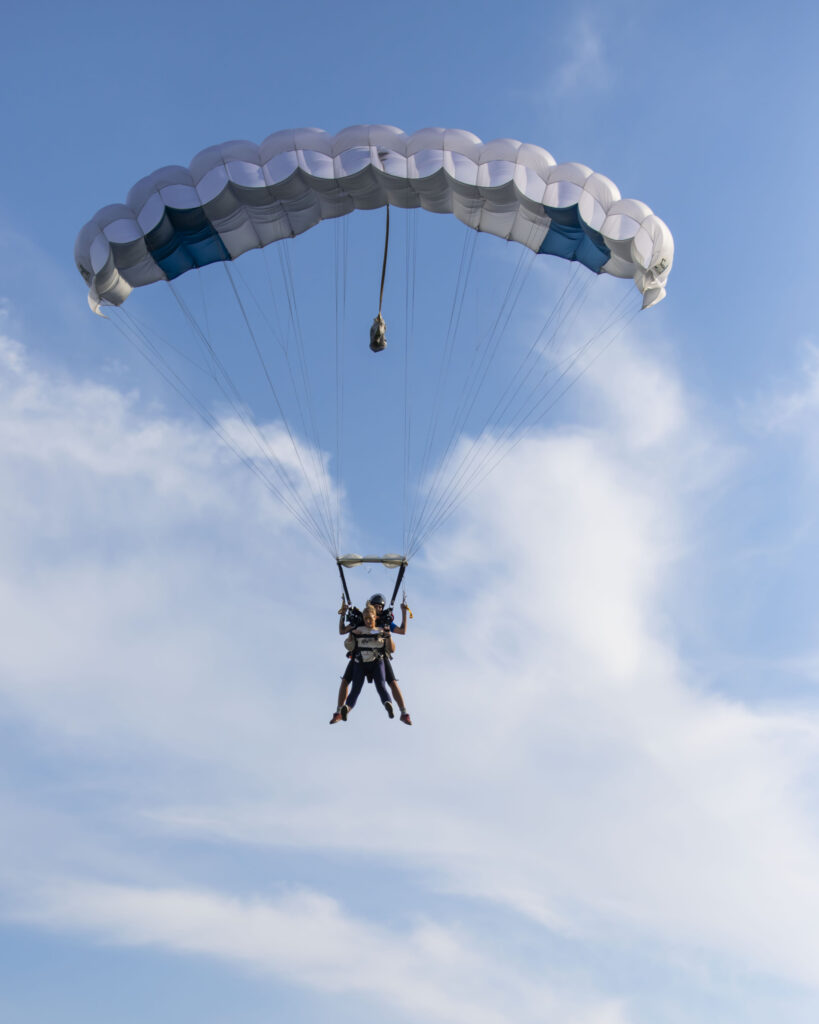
(239,196)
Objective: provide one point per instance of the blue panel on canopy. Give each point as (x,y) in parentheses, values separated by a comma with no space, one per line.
(572,243)
(185,239)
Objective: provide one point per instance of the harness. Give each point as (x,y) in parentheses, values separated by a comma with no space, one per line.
(369,647)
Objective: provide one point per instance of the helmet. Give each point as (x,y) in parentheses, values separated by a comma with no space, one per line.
(378,599)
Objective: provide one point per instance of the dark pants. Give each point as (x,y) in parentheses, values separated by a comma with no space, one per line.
(374,672)
(388,671)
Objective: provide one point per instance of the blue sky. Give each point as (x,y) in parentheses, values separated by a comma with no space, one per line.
(606,810)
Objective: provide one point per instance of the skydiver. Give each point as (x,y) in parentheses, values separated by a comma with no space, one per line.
(377,602)
(368,658)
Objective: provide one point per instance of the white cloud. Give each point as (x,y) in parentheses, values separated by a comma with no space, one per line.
(594,789)
(564,763)
(119,529)
(425,972)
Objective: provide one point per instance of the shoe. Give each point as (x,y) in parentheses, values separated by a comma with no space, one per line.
(388,706)
(336,718)
(405,718)
(344,712)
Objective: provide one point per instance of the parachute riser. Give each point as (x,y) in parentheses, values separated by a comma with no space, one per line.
(398,580)
(344,583)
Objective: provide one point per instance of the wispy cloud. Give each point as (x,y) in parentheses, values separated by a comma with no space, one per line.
(425,972)
(584,66)
(794,407)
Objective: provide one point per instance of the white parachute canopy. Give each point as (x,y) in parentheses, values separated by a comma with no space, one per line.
(239,196)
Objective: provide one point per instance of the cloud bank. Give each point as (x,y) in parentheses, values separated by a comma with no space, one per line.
(567,773)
